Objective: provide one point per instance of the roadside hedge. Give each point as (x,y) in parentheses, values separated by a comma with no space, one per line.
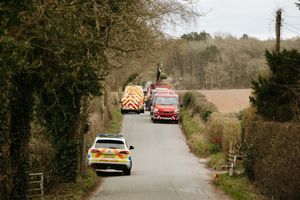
(272,157)
(199,105)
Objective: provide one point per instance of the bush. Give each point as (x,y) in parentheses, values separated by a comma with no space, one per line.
(188,99)
(249,115)
(225,133)
(231,136)
(272,157)
(214,131)
(206,115)
(199,105)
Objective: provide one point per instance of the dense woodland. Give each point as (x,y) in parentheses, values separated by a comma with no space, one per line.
(199,61)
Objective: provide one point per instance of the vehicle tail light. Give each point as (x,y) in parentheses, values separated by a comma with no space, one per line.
(124,152)
(95,151)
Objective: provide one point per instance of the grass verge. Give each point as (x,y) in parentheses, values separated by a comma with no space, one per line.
(75,191)
(217,161)
(200,136)
(189,126)
(116,123)
(238,187)
(194,135)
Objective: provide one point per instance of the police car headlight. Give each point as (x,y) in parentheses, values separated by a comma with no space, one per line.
(155,110)
(176,111)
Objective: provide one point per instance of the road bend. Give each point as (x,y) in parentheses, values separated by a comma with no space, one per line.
(163,167)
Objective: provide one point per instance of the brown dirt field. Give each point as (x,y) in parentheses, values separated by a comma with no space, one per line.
(228,101)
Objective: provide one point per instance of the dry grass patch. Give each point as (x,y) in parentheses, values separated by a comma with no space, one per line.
(74,191)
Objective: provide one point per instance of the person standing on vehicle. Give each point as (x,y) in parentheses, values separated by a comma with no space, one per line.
(158,72)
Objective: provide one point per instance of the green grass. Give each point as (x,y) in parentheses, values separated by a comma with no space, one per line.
(189,125)
(202,148)
(198,144)
(217,161)
(238,187)
(116,123)
(75,191)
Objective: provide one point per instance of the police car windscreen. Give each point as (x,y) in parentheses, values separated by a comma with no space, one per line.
(166,101)
(112,144)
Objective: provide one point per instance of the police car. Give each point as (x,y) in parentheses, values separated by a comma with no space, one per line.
(110,151)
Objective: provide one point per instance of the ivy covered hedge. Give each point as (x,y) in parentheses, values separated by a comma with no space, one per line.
(54,56)
(199,105)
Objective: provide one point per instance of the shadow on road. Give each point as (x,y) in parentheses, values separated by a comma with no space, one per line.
(165,122)
(110,173)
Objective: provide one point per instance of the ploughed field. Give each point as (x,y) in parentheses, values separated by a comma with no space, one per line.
(228,101)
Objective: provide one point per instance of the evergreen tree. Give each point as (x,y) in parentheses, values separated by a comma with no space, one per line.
(277,95)
(202,36)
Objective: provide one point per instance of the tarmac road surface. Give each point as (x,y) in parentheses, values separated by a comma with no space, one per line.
(163,167)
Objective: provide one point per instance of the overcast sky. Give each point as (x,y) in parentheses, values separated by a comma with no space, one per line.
(254,17)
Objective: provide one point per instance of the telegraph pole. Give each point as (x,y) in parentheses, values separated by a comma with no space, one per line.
(278,30)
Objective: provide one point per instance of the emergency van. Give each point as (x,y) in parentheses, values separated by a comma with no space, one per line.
(132,100)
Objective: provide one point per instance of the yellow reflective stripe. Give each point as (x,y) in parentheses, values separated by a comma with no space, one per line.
(111,161)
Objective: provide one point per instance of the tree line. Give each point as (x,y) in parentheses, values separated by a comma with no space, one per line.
(220,62)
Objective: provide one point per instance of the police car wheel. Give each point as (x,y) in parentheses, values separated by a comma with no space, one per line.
(127,171)
(99,173)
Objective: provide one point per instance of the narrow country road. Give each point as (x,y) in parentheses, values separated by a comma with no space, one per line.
(163,167)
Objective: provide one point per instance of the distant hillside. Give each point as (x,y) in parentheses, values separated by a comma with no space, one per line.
(219,63)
